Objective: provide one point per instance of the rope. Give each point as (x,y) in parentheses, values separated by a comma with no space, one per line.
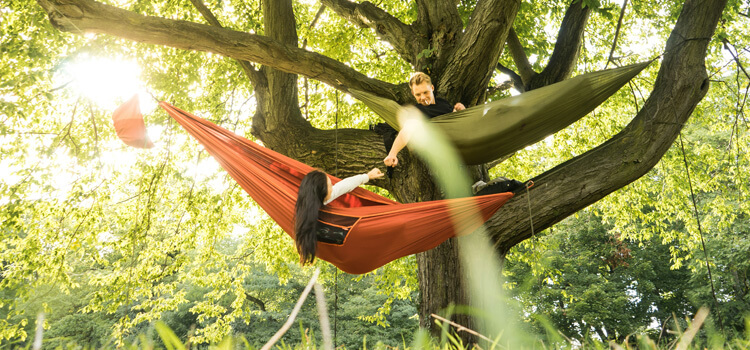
(528,185)
(336,273)
(700,232)
(336,308)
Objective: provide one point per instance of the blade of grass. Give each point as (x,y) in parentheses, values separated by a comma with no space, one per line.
(692,330)
(481,265)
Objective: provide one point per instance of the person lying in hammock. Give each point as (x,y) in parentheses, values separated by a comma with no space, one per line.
(315,191)
(431,106)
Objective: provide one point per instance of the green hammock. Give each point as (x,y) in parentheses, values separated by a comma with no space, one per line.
(487,132)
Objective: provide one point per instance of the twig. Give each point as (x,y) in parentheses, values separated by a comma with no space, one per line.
(53,89)
(293,315)
(246,66)
(736,59)
(460,328)
(93,123)
(325,325)
(313,23)
(617,33)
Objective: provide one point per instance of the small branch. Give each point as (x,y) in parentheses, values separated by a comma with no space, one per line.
(53,89)
(93,123)
(313,23)
(294,313)
(246,66)
(517,80)
(734,55)
(304,46)
(367,15)
(502,87)
(260,303)
(617,33)
(460,328)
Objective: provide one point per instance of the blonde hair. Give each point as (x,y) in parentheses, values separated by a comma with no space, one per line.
(419,78)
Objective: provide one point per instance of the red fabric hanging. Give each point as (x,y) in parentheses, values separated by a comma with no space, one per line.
(129,124)
(379,229)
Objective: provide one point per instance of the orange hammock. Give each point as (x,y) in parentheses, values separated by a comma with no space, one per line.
(376,230)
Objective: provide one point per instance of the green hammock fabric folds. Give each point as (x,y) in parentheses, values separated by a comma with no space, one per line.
(487,132)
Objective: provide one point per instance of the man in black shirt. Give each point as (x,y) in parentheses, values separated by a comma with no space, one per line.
(423,91)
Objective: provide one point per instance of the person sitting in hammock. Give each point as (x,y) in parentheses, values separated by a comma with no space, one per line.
(424,92)
(315,191)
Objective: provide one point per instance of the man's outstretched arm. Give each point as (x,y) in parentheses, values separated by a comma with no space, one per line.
(398,144)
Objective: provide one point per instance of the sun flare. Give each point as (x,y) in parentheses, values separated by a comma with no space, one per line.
(107,82)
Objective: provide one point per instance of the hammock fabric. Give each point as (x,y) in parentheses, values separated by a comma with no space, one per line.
(488,132)
(129,124)
(378,230)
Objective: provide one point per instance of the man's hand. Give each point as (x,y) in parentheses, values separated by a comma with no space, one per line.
(391,160)
(459,107)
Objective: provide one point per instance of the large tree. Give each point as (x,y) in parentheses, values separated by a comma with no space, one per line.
(461,45)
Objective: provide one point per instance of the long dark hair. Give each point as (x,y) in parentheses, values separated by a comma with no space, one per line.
(312,191)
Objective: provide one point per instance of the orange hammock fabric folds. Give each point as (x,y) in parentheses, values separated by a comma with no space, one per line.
(377,229)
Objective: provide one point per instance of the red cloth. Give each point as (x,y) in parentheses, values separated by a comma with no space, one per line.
(129,124)
(381,230)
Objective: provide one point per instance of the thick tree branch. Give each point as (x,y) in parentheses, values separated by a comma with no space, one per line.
(519,57)
(680,85)
(401,36)
(88,16)
(567,47)
(478,51)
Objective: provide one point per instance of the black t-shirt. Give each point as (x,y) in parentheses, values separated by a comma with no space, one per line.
(440,107)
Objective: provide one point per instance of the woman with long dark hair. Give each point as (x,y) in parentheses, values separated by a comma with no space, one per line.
(315,191)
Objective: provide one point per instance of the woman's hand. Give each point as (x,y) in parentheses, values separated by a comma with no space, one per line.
(375,173)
